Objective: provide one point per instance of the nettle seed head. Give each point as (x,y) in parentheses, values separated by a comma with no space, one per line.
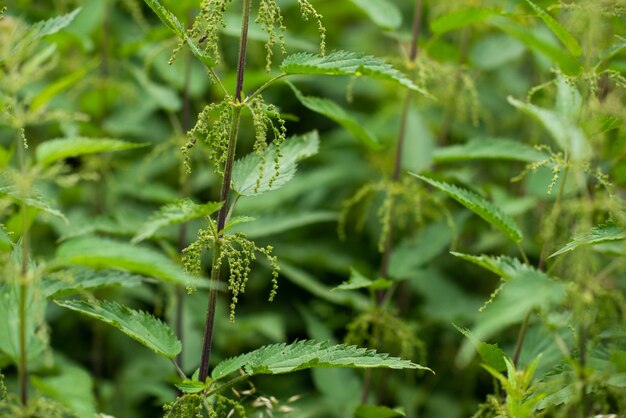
(212,128)
(263,116)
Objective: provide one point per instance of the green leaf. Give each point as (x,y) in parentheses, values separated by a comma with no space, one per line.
(174,24)
(79,280)
(73,387)
(36,337)
(346,63)
(479,206)
(491,354)
(460,19)
(489,149)
(61,148)
(414,252)
(47,27)
(565,61)
(504,266)
(377,411)
(520,295)
(564,131)
(607,232)
(308,282)
(165,97)
(382,12)
(138,325)
(336,113)
(53,89)
(31,199)
(283,358)
(278,223)
(98,252)
(358,281)
(249,169)
(191,386)
(178,212)
(564,36)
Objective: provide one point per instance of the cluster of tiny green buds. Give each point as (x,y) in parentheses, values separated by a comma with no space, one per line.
(271,22)
(213,132)
(262,119)
(192,255)
(186,406)
(208,24)
(225,407)
(308,10)
(239,252)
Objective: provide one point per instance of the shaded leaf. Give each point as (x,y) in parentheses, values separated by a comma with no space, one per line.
(279,223)
(564,131)
(491,354)
(283,358)
(138,325)
(346,63)
(180,211)
(459,19)
(382,12)
(72,281)
(61,148)
(336,113)
(249,169)
(377,411)
(479,206)
(98,252)
(489,149)
(607,232)
(358,281)
(564,36)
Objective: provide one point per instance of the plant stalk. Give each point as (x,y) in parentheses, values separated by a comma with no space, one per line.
(397,171)
(23,290)
(225,192)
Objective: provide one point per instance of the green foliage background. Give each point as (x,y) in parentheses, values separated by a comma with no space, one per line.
(513,219)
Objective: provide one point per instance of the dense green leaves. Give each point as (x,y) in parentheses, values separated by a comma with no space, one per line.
(346,63)
(253,176)
(180,211)
(138,325)
(105,253)
(283,358)
(479,206)
(61,148)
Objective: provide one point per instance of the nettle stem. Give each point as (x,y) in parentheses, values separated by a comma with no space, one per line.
(225,192)
(382,297)
(23,286)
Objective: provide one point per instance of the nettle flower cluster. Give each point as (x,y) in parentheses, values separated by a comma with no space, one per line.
(217,127)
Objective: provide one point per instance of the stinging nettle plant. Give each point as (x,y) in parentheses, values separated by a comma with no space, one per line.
(271,164)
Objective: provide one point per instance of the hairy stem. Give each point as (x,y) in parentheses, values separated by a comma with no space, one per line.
(397,171)
(23,288)
(223,212)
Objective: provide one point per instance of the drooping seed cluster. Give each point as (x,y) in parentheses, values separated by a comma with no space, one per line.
(271,22)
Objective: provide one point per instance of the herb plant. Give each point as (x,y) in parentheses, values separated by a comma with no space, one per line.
(408,182)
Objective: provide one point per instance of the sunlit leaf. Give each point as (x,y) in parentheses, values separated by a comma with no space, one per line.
(479,206)
(287,358)
(489,149)
(382,12)
(346,63)
(252,177)
(460,18)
